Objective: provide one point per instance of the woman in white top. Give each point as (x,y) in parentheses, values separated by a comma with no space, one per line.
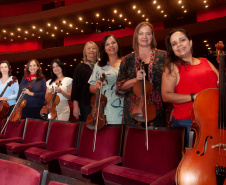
(63,90)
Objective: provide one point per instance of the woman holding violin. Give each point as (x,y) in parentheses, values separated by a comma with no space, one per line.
(11,92)
(130,72)
(35,97)
(109,65)
(62,86)
(80,95)
(184,77)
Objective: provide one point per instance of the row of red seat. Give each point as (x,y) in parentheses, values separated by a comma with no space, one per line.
(120,155)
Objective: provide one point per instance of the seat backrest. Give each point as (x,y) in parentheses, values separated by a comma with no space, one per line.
(164,152)
(62,135)
(108,142)
(35,130)
(14,129)
(19,174)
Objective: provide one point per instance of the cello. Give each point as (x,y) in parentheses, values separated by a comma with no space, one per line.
(97,117)
(143,110)
(205,163)
(49,110)
(4,106)
(16,113)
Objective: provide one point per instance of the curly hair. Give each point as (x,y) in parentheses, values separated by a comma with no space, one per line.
(103,55)
(171,57)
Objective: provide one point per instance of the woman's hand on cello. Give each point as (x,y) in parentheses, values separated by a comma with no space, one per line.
(50,90)
(98,83)
(3,98)
(26,91)
(140,75)
(58,89)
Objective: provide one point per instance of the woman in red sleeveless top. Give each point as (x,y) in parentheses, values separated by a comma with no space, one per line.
(184,77)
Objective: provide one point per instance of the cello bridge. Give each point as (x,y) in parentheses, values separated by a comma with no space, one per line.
(220,145)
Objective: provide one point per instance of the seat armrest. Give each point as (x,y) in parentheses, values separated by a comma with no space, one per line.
(100,165)
(5,141)
(167,179)
(15,147)
(55,154)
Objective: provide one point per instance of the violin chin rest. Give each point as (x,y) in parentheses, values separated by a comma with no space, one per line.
(44,116)
(138,117)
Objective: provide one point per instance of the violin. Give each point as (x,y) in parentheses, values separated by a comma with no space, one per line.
(143,110)
(49,110)
(4,106)
(97,117)
(205,163)
(16,113)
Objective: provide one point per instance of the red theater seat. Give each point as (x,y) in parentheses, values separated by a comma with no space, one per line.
(61,140)
(140,166)
(13,133)
(16,171)
(87,165)
(34,135)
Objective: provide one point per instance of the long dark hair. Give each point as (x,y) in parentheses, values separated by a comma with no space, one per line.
(39,72)
(171,57)
(103,55)
(61,65)
(9,67)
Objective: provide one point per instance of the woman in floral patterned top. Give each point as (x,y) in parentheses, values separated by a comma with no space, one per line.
(109,65)
(144,45)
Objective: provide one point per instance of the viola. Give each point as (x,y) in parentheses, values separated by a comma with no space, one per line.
(16,113)
(143,110)
(4,106)
(49,110)
(205,162)
(97,118)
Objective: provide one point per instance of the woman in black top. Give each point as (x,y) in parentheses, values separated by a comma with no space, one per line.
(80,95)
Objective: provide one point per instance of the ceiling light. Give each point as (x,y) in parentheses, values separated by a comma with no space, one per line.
(64,22)
(134,7)
(138,11)
(55,27)
(205,41)
(67,33)
(39,37)
(182,6)
(204,1)
(87,23)
(53,35)
(185,11)
(82,31)
(162,11)
(41,30)
(4,31)
(12,33)
(18,29)
(147,19)
(25,38)
(62,30)
(125,19)
(143,15)
(47,32)
(103,19)
(209,48)
(19,36)
(80,18)
(33,34)
(70,25)
(179,2)
(120,15)
(97,15)
(158,6)
(206,6)
(26,32)
(11,40)
(48,24)
(4,37)
(76,28)
(115,11)
(207,44)
(165,15)
(154,2)
(129,22)
(113,20)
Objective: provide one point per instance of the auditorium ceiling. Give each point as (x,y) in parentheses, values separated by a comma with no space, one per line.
(97,16)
